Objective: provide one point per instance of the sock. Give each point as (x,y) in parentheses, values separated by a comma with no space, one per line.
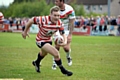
(59,64)
(39,58)
(54,63)
(67,53)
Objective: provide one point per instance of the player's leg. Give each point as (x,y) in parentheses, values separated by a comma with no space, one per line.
(54,52)
(67,50)
(40,56)
(54,63)
(36,63)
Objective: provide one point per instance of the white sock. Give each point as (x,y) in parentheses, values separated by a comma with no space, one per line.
(54,63)
(68,54)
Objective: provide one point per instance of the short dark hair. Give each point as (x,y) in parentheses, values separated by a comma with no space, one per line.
(62,1)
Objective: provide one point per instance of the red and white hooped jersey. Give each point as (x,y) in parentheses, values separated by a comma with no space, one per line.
(1,17)
(46,28)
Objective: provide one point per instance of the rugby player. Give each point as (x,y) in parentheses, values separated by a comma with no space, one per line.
(48,25)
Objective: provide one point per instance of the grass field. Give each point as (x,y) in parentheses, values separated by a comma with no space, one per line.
(94,58)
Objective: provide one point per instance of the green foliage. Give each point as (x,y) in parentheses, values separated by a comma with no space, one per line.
(20,1)
(29,8)
(26,8)
(93,14)
(79,9)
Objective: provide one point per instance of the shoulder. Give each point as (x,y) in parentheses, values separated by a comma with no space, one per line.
(39,19)
(68,7)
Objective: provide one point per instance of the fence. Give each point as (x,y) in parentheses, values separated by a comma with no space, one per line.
(77,30)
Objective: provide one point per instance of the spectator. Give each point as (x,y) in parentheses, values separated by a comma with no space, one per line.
(11,22)
(23,22)
(67,16)
(18,22)
(1,21)
(118,24)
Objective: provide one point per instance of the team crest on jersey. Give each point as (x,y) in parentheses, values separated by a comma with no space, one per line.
(43,19)
(37,20)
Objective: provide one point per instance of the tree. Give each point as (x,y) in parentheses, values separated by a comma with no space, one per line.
(27,9)
(79,9)
(20,1)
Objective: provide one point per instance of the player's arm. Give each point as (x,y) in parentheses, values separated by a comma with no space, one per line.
(65,39)
(27,26)
(71,22)
(62,33)
(71,25)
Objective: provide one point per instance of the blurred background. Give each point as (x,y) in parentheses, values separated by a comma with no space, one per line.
(95,17)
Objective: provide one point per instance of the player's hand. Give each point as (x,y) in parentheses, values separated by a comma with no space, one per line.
(24,35)
(62,43)
(69,38)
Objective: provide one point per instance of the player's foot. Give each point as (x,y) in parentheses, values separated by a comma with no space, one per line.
(66,72)
(69,59)
(54,66)
(36,66)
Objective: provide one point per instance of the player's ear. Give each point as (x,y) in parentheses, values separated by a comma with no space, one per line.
(50,14)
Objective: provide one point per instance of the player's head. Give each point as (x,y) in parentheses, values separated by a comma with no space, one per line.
(1,17)
(55,14)
(59,2)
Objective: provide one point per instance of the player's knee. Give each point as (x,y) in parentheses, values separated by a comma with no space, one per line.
(56,56)
(66,49)
(57,47)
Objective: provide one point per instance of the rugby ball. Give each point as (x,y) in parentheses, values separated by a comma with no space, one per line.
(58,39)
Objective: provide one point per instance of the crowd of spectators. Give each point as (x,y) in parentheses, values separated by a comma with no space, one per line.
(99,24)
(16,22)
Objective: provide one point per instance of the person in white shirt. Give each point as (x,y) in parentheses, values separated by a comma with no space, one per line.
(67,15)
(118,23)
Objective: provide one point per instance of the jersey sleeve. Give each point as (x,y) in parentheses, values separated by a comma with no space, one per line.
(72,14)
(61,29)
(37,20)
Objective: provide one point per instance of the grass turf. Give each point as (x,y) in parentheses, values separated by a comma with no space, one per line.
(94,58)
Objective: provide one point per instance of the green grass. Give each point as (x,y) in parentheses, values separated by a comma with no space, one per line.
(94,58)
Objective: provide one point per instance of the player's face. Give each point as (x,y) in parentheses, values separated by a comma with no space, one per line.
(57,3)
(55,16)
